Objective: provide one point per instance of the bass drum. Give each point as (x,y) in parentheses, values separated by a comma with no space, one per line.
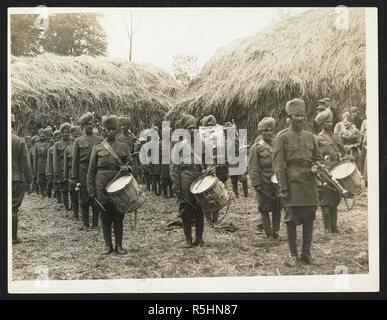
(126,194)
(210,193)
(348,176)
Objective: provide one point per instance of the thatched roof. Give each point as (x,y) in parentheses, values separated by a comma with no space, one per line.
(50,89)
(305,56)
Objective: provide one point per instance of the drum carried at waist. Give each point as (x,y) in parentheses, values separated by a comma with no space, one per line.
(126,194)
(348,176)
(210,193)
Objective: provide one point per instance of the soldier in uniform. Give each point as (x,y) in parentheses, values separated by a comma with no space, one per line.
(331,149)
(155,168)
(58,163)
(165,177)
(75,132)
(40,157)
(81,158)
(260,171)
(102,169)
(295,150)
(124,135)
(50,169)
(21,177)
(35,187)
(182,176)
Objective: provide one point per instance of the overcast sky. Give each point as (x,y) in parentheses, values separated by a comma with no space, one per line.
(162,32)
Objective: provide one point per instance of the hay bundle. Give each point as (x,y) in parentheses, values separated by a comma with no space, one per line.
(305,56)
(51,89)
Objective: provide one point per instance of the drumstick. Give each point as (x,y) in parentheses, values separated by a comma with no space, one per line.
(99,203)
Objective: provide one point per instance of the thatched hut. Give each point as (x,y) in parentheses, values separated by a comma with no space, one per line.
(50,89)
(305,56)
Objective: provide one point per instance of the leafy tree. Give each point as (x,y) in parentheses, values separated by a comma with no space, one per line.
(75,34)
(184,68)
(24,35)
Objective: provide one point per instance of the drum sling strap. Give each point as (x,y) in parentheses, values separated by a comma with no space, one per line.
(109,148)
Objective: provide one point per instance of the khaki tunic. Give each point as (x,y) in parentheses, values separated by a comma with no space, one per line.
(103,168)
(58,160)
(68,163)
(49,163)
(40,156)
(293,154)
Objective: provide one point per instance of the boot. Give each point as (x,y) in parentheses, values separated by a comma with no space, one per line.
(85,217)
(58,197)
(74,201)
(291,230)
(107,236)
(333,211)
(267,224)
(187,227)
(15,239)
(276,219)
(158,187)
(215,217)
(95,218)
(235,190)
(307,236)
(171,193)
(118,230)
(164,187)
(327,219)
(199,228)
(65,200)
(245,189)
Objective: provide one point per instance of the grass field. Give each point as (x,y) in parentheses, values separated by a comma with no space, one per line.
(50,239)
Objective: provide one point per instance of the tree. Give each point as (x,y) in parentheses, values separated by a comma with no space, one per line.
(184,68)
(24,36)
(72,34)
(75,34)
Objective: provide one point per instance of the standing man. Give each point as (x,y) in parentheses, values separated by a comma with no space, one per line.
(331,149)
(107,160)
(58,163)
(124,136)
(295,150)
(40,157)
(50,169)
(21,177)
(75,132)
(81,158)
(35,140)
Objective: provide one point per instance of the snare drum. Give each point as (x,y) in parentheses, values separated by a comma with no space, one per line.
(126,194)
(210,193)
(348,176)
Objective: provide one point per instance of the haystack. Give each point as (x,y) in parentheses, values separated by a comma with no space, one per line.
(51,89)
(305,56)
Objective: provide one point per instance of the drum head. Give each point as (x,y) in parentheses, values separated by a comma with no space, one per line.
(203,184)
(343,170)
(119,184)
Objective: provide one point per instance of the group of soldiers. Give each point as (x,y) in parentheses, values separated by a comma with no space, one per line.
(74,165)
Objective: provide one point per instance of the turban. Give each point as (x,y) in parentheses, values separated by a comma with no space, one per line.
(56,133)
(86,117)
(354,109)
(64,127)
(124,121)
(295,106)
(265,123)
(76,131)
(110,121)
(41,132)
(48,132)
(186,121)
(13,119)
(325,101)
(324,116)
(35,139)
(208,121)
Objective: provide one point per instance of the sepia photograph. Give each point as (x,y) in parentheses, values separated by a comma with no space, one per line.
(156,150)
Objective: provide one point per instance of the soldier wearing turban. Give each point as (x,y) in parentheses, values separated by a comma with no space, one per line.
(102,169)
(331,149)
(40,159)
(294,153)
(83,146)
(50,170)
(261,171)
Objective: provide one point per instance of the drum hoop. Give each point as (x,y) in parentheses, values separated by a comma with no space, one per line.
(119,190)
(206,191)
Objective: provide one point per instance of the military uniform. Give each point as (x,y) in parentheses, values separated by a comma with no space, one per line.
(260,172)
(59,179)
(293,155)
(40,157)
(21,176)
(35,187)
(331,146)
(102,169)
(81,157)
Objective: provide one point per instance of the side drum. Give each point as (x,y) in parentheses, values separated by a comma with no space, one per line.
(348,176)
(126,194)
(210,193)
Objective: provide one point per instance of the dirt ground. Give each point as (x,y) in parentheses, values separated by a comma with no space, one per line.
(51,239)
